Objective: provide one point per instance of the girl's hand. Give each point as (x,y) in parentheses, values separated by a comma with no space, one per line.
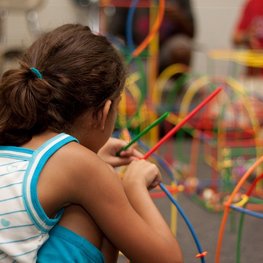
(142,173)
(112,146)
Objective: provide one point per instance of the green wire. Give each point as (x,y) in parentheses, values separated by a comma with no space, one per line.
(143,132)
(255,200)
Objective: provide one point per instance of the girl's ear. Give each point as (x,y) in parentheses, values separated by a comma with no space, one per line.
(105,113)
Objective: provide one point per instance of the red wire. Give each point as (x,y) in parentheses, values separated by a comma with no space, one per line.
(180,124)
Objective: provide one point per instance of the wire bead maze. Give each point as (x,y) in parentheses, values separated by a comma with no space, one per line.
(228,133)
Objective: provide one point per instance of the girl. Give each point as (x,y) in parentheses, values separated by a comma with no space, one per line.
(57,191)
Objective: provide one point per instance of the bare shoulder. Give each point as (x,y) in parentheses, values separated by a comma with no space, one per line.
(76,157)
(72,172)
(77,163)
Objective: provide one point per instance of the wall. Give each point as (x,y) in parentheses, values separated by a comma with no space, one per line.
(215,20)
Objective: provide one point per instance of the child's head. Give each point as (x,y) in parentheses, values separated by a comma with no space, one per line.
(81,71)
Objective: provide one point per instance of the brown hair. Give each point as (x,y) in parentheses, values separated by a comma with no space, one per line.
(80,70)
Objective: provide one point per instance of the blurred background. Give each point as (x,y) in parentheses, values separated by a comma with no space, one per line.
(23,20)
(217,147)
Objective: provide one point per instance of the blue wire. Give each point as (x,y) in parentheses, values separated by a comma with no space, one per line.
(129,22)
(180,210)
(172,199)
(168,171)
(246,211)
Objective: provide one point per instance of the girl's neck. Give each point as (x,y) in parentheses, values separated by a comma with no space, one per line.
(39,139)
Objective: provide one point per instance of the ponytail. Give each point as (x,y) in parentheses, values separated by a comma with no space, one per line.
(63,74)
(24,100)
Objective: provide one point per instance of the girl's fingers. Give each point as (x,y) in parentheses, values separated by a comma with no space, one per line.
(131,153)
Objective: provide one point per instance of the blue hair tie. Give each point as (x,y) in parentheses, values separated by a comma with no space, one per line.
(36,73)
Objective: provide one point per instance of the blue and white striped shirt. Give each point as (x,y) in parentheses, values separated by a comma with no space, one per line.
(24,225)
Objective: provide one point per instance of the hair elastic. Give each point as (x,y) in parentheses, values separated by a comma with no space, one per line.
(36,73)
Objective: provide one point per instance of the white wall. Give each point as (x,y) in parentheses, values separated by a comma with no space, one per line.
(215,20)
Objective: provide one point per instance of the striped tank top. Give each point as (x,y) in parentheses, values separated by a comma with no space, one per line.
(24,226)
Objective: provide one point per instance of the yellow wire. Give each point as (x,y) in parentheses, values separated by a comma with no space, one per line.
(243,201)
(165,75)
(244,57)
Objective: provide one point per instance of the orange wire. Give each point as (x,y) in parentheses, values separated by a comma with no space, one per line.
(153,31)
(227,206)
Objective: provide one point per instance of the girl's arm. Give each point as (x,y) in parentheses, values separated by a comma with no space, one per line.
(124,211)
